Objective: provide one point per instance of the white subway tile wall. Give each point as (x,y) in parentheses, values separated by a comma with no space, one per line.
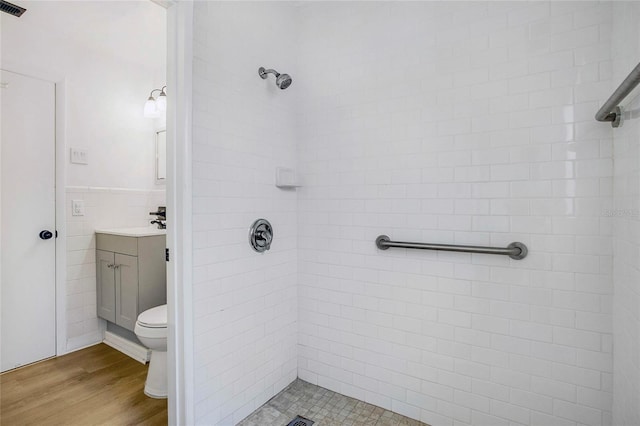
(463,123)
(104,208)
(245,309)
(626,226)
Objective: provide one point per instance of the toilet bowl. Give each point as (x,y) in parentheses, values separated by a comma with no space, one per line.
(151,329)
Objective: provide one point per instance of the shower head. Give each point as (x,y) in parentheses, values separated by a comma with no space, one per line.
(282,80)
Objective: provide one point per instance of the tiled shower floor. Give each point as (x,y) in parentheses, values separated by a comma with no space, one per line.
(324,407)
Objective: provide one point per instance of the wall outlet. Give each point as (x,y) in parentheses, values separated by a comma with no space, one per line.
(79,156)
(77,207)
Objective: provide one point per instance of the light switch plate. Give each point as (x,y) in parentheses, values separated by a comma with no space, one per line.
(77,207)
(79,156)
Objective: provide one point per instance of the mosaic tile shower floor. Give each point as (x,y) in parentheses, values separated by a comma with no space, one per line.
(324,407)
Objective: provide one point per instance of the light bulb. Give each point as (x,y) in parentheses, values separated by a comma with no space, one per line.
(150,108)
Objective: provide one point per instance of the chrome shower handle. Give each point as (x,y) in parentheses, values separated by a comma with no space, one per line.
(261,235)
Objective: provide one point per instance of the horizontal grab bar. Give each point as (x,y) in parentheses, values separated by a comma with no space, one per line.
(515,250)
(610,111)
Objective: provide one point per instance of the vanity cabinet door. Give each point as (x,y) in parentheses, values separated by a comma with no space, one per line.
(126,294)
(106,281)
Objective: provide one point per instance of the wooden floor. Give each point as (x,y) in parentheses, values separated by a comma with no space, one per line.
(94,386)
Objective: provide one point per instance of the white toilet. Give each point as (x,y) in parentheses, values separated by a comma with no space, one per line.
(151,329)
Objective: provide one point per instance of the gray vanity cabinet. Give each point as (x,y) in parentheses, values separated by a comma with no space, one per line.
(131,276)
(106,290)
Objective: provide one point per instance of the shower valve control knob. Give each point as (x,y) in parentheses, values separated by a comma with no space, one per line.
(266,237)
(260,235)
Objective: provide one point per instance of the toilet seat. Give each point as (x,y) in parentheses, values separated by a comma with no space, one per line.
(152,323)
(150,332)
(154,317)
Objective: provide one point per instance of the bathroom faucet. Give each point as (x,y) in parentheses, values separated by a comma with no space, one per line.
(161,212)
(161,217)
(160,223)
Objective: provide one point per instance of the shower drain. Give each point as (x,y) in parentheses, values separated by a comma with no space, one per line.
(300,421)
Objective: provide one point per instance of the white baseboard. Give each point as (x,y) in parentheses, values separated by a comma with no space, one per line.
(127,347)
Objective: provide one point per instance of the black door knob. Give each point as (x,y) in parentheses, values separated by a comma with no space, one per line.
(45,235)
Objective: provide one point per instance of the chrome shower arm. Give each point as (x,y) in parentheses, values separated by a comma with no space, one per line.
(264,72)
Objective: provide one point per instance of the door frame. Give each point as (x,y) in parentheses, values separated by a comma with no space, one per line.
(61,226)
(181,402)
(180,359)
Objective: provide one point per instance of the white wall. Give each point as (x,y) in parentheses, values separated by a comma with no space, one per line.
(245,307)
(626,229)
(465,123)
(110,57)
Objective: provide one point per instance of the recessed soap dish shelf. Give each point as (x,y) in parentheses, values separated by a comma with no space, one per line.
(286,178)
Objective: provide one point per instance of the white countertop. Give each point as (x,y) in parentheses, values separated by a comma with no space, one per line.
(145,231)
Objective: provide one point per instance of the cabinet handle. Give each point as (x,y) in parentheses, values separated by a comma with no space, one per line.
(110,265)
(116,266)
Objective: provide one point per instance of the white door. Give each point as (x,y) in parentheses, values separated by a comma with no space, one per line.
(27,254)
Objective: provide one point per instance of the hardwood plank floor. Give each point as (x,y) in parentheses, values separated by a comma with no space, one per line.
(94,386)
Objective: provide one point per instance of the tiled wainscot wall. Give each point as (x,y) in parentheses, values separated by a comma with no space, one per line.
(104,208)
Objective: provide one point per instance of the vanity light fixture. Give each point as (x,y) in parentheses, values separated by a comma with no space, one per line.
(156,106)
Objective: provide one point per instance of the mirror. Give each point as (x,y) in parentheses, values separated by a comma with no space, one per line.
(161,156)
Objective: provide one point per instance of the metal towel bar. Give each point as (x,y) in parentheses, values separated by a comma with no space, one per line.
(515,250)
(610,111)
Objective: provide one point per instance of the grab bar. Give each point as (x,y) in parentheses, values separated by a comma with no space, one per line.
(515,250)
(610,111)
